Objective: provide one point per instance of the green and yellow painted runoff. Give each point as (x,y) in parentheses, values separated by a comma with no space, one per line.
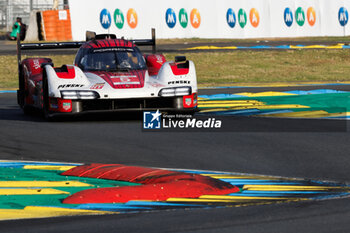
(284,84)
(309,104)
(45,212)
(31,184)
(27,191)
(36,191)
(46,167)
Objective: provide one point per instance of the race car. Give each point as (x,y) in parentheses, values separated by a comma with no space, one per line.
(108,74)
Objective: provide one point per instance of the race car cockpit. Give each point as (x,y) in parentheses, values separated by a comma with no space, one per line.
(110,59)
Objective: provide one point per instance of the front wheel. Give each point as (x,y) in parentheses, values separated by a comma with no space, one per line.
(46,111)
(27,109)
(21,89)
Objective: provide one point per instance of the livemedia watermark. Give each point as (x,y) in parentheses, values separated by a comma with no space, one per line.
(156,121)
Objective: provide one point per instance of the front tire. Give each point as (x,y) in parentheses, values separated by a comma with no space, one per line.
(46,112)
(21,89)
(21,96)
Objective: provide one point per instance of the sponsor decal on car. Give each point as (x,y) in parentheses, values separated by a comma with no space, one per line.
(36,64)
(97,86)
(159,59)
(66,106)
(179,82)
(188,101)
(156,84)
(69,86)
(125,80)
(102,50)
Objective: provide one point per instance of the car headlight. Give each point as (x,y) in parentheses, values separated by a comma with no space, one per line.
(175,91)
(79,95)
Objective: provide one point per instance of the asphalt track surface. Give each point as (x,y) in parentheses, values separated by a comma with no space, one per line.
(119,139)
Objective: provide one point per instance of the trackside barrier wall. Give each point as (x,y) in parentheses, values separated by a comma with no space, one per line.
(32,30)
(211,19)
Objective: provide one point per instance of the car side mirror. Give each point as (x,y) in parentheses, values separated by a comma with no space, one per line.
(180,58)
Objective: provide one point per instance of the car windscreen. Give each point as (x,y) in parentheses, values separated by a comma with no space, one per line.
(112,59)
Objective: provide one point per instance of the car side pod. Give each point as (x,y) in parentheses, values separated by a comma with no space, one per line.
(156,184)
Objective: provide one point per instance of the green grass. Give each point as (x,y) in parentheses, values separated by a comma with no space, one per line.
(9,68)
(8,72)
(230,68)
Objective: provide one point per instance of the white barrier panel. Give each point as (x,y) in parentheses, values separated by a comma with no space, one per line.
(211,19)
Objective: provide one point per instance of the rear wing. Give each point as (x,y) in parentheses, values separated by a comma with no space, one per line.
(70,45)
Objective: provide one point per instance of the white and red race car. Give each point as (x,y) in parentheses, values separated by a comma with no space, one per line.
(108,74)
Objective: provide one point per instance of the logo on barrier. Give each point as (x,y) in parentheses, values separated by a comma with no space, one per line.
(343,16)
(131,17)
(183,18)
(300,16)
(195,18)
(119,18)
(105,18)
(231,18)
(170,18)
(151,120)
(242,18)
(311,16)
(254,17)
(288,17)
